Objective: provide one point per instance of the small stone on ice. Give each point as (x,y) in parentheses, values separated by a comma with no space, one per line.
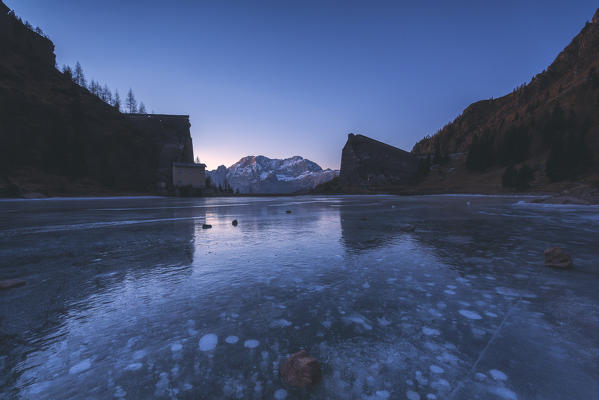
(11,283)
(301,369)
(280,394)
(556,257)
(208,342)
(382,394)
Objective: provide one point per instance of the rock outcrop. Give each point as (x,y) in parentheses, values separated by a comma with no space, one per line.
(259,174)
(370,165)
(171,138)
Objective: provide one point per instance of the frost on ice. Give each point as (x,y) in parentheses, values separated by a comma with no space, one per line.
(208,342)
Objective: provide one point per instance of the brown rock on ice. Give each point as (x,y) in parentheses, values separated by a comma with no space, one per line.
(11,283)
(556,257)
(407,228)
(301,369)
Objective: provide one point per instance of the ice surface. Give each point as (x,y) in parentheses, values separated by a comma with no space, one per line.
(505,393)
(436,369)
(430,331)
(280,323)
(81,366)
(412,395)
(133,367)
(120,291)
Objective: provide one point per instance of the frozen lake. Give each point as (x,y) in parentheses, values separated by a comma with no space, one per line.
(131,298)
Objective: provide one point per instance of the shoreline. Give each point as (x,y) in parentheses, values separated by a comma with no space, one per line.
(535,198)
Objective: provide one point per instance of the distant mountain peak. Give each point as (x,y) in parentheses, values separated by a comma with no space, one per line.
(261,174)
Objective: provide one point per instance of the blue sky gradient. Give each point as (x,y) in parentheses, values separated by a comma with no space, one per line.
(283,78)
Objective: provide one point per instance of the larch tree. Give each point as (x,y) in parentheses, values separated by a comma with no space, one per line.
(67,71)
(117,101)
(131,103)
(142,108)
(79,76)
(94,88)
(107,95)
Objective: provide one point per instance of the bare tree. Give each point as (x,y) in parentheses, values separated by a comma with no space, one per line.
(142,108)
(67,71)
(79,76)
(107,95)
(131,103)
(117,101)
(94,88)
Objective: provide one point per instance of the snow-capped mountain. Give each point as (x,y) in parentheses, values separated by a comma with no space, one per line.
(259,174)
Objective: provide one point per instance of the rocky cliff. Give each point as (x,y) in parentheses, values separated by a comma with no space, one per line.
(170,137)
(550,124)
(263,175)
(57,138)
(370,165)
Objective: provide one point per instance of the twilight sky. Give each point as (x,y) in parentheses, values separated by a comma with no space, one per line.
(284,78)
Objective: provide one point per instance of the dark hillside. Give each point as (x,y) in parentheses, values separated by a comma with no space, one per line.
(55,136)
(552,123)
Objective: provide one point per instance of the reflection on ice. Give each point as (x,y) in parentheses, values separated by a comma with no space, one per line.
(461,307)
